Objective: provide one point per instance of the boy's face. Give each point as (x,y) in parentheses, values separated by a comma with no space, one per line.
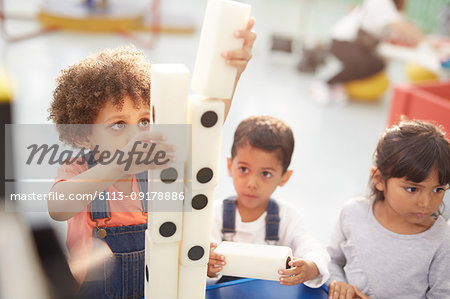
(256,174)
(114,128)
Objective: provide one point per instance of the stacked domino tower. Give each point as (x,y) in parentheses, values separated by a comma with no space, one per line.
(177,239)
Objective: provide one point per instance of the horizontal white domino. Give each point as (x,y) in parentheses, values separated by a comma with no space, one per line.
(197,228)
(165,203)
(161,269)
(169,92)
(206,116)
(192,282)
(254,260)
(212,77)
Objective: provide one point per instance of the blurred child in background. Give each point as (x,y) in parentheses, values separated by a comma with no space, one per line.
(354,42)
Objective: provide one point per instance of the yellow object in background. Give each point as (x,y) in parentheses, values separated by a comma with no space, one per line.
(5,86)
(369,89)
(419,74)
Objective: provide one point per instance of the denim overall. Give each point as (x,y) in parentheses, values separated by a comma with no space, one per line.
(229,223)
(122,276)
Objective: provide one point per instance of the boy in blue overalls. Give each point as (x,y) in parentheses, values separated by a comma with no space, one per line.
(260,157)
(111,91)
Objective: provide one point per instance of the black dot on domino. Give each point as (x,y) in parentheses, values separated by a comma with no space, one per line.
(199,201)
(209,119)
(146,272)
(196,253)
(167,229)
(204,175)
(169,175)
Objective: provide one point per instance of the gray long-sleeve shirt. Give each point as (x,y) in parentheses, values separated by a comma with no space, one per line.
(384,264)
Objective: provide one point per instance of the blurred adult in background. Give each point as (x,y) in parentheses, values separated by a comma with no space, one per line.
(354,41)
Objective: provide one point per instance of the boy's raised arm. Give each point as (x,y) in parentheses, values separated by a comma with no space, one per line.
(240,58)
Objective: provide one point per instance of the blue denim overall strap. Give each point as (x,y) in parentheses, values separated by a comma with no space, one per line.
(272,222)
(229,220)
(121,277)
(100,209)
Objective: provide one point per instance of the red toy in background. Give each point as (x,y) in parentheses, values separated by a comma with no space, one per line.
(429,102)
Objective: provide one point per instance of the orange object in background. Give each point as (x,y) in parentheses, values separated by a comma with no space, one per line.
(369,89)
(430,102)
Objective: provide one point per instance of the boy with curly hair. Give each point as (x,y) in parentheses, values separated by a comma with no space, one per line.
(110,92)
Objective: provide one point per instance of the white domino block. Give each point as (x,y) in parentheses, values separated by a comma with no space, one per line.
(197,228)
(161,269)
(254,260)
(212,77)
(206,116)
(195,251)
(165,203)
(173,173)
(192,282)
(169,92)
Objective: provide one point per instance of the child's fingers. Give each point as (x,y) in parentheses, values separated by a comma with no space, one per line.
(249,36)
(237,55)
(146,147)
(249,39)
(148,135)
(292,280)
(349,294)
(239,64)
(214,257)
(214,268)
(219,259)
(216,261)
(289,272)
(250,23)
(297,266)
(336,292)
(333,290)
(359,294)
(297,262)
(330,290)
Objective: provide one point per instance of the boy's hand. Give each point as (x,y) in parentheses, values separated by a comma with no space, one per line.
(240,58)
(302,271)
(342,290)
(216,261)
(139,147)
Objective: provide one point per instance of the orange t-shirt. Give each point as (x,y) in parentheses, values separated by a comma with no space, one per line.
(80,227)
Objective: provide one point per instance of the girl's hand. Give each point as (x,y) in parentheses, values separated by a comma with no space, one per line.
(341,290)
(302,271)
(360,294)
(240,58)
(216,261)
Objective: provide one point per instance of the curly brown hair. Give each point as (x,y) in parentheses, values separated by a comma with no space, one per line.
(267,133)
(84,88)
